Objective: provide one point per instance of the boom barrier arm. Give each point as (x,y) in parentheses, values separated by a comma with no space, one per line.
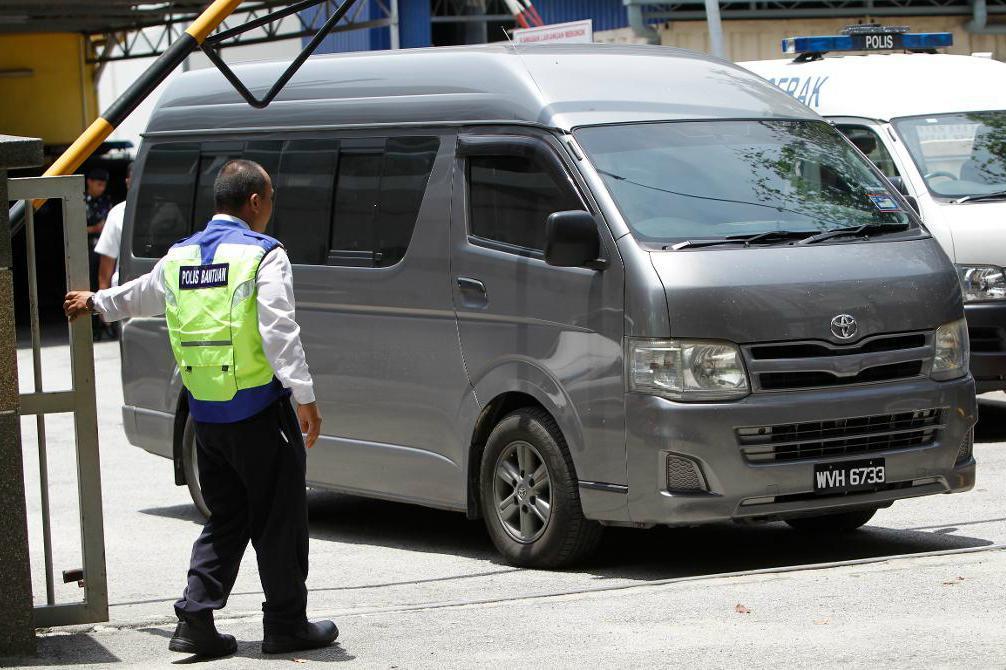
(195,36)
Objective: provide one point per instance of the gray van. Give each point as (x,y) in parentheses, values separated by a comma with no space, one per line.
(561,288)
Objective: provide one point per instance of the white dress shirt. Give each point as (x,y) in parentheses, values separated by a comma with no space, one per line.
(144,296)
(111,237)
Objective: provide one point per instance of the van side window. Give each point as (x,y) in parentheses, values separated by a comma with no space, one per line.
(510,198)
(303,205)
(378,192)
(214,156)
(165,197)
(866,140)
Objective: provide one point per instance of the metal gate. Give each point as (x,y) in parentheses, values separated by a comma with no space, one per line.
(78,400)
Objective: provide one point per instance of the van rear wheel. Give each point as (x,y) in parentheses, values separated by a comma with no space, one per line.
(844,522)
(529,494)
(190,465)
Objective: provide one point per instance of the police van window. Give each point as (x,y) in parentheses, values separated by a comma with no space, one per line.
(378,193)
(303,207)
(164,199)
(866,140)
(511,197)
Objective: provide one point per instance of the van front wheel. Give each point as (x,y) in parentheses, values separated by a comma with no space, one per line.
(191,467)
(529,494)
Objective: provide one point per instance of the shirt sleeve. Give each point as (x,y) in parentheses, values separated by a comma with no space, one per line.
(278,327)
(111,234)
(143,296)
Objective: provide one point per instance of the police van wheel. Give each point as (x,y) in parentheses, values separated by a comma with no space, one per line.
(529,494)
(191,467)
(844,522)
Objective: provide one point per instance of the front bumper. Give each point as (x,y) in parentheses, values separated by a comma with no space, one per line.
(738,489)
(987,331)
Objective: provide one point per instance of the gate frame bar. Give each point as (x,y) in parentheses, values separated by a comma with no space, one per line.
(79,400)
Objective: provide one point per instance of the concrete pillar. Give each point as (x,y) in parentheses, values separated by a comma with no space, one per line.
(17,634)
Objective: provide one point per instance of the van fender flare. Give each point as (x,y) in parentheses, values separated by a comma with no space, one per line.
(525,377)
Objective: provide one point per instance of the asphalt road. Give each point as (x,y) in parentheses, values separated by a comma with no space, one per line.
(414,587)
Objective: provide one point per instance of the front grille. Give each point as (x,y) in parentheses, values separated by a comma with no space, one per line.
(985,339)
(777,381)
(788,366)
(839,437)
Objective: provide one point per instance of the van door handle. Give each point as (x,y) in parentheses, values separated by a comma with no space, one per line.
(473,293)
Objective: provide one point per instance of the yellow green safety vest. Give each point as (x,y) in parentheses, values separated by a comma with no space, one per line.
(212,317)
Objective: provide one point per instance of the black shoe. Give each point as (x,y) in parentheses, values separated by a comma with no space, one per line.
(202,639)
(311,636)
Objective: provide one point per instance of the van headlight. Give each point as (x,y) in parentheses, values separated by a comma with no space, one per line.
(687,369)
(982,282)
(951,351)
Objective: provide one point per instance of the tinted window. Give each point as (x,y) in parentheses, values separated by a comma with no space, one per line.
(215,156)
(164,200)
(303,205)
(407,165)
(867,141)
(511,197)
(358,189)
(378,193)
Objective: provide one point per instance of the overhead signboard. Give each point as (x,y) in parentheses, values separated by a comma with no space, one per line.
(577,32)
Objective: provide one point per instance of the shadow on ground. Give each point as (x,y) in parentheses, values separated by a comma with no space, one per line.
(656,553)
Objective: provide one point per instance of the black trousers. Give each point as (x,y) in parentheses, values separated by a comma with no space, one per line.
(252,475)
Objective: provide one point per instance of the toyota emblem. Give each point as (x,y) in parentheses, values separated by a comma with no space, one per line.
(844,327)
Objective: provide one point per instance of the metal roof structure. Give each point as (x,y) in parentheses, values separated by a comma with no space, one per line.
(123,29)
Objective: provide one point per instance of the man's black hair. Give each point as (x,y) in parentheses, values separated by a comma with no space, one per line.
(97,174)
(236,182)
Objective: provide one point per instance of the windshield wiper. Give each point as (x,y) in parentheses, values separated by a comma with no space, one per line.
(995,195)
(747,240)
(863,230)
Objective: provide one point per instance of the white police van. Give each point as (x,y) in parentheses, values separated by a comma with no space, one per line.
(935,124)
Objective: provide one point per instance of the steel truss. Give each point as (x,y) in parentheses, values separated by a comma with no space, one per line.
(153,40)
(685,10)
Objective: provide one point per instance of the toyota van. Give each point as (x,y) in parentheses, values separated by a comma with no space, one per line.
(566,287)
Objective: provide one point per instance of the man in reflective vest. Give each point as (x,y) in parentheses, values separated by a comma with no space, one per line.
(227,295)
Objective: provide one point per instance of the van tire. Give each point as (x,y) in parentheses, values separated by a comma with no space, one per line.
(566,536)
(844,522)
(191,467)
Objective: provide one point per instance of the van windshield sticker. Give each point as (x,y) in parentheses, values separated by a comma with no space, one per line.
(884,202)
(806,89)
(202,276)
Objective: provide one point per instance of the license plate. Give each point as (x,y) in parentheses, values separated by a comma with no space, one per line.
(849,476)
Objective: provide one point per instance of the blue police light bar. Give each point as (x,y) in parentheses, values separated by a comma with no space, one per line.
(879,41)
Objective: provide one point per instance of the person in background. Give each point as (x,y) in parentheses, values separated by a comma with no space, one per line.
(98,204)
(107,249)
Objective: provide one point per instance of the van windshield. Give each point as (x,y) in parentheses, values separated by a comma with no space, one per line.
(958,154)
(683,181)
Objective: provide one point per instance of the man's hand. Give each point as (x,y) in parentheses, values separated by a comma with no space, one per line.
(76,304)
(310,422)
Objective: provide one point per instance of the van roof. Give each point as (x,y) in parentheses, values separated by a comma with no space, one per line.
(888,86)
(558,86)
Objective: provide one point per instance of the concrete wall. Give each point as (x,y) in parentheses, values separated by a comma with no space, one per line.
(48,89)
(759,39)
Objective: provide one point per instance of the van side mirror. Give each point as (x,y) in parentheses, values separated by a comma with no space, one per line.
(572,240)
(899,183)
